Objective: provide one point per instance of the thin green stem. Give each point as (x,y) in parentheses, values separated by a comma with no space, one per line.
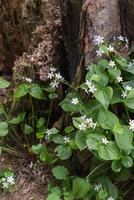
(95,169)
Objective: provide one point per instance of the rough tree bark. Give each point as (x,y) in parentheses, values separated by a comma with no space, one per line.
(81,20)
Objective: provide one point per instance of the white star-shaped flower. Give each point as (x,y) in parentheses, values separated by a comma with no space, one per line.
(110,48)
(66,139)
(50,75)
(75,101)
(124,94)
(98,40)
(5,185)
(54,84)
(128,88)
(104,141)
(49,132)
(112,63)
(121,38)
(58,76)
(99,52)
(10,180)
(131,125)
(119,79)
(82,126)
(97,187)
(52,69)
(110,198)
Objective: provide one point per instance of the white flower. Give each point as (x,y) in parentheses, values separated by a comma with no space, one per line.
(131,125)
(121,38)
(91,87)
(58,76)
(131,64)
(82,126)
(27,79)
(66,139)
(110,198)
(50,75)
(49,132)
(128,88)
(97,187)
(110,48)
(52,69)
(99,52)
(104,141)
(112,63)
(75,101)
(5,185)
(10,180)
(98,40)
(3,179)
(119,79)
(83,117)
(124,94)
(54,84)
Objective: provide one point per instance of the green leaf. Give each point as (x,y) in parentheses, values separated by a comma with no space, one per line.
(4,83)
(129,101)
(107,119)
(63,152)
(40,122)
(37,148)
(94,140)
(3,129)
(60,172)
(80,140)
(116,166)
(21,91)
(121,61)
(36,91)
(55,194)
(69,129)
(102,194)
(127,161)
(124,139)
(109,151)
(28,129)
(80,188)
(104,96)
(103,64)
(114,73)
(67,106)
(18,119)
(58,139)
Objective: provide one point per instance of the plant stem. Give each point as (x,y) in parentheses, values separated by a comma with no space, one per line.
(49,114)
(95,169)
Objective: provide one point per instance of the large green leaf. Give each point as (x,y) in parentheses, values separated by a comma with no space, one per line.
(3,129)
(21,91)
(104,96)
(127,161)
(4,83)
(60,172)
(36,91)
(80,140)
(107,119)
(55,194)
(109,151)
(63,152)
(94,140)
(124,137)
(129,101)
(80,188)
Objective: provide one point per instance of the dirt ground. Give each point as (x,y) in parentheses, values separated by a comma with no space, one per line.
(31,179)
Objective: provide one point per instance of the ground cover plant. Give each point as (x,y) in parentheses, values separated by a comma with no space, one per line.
(99,125)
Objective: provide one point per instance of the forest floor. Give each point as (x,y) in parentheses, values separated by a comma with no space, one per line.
(31,180)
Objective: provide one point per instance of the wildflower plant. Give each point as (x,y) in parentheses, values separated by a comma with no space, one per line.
(7,181)
(100,123)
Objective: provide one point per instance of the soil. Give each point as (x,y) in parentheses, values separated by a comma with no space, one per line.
(31,179)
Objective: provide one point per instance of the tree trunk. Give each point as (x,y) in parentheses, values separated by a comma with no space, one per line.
(81,20)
